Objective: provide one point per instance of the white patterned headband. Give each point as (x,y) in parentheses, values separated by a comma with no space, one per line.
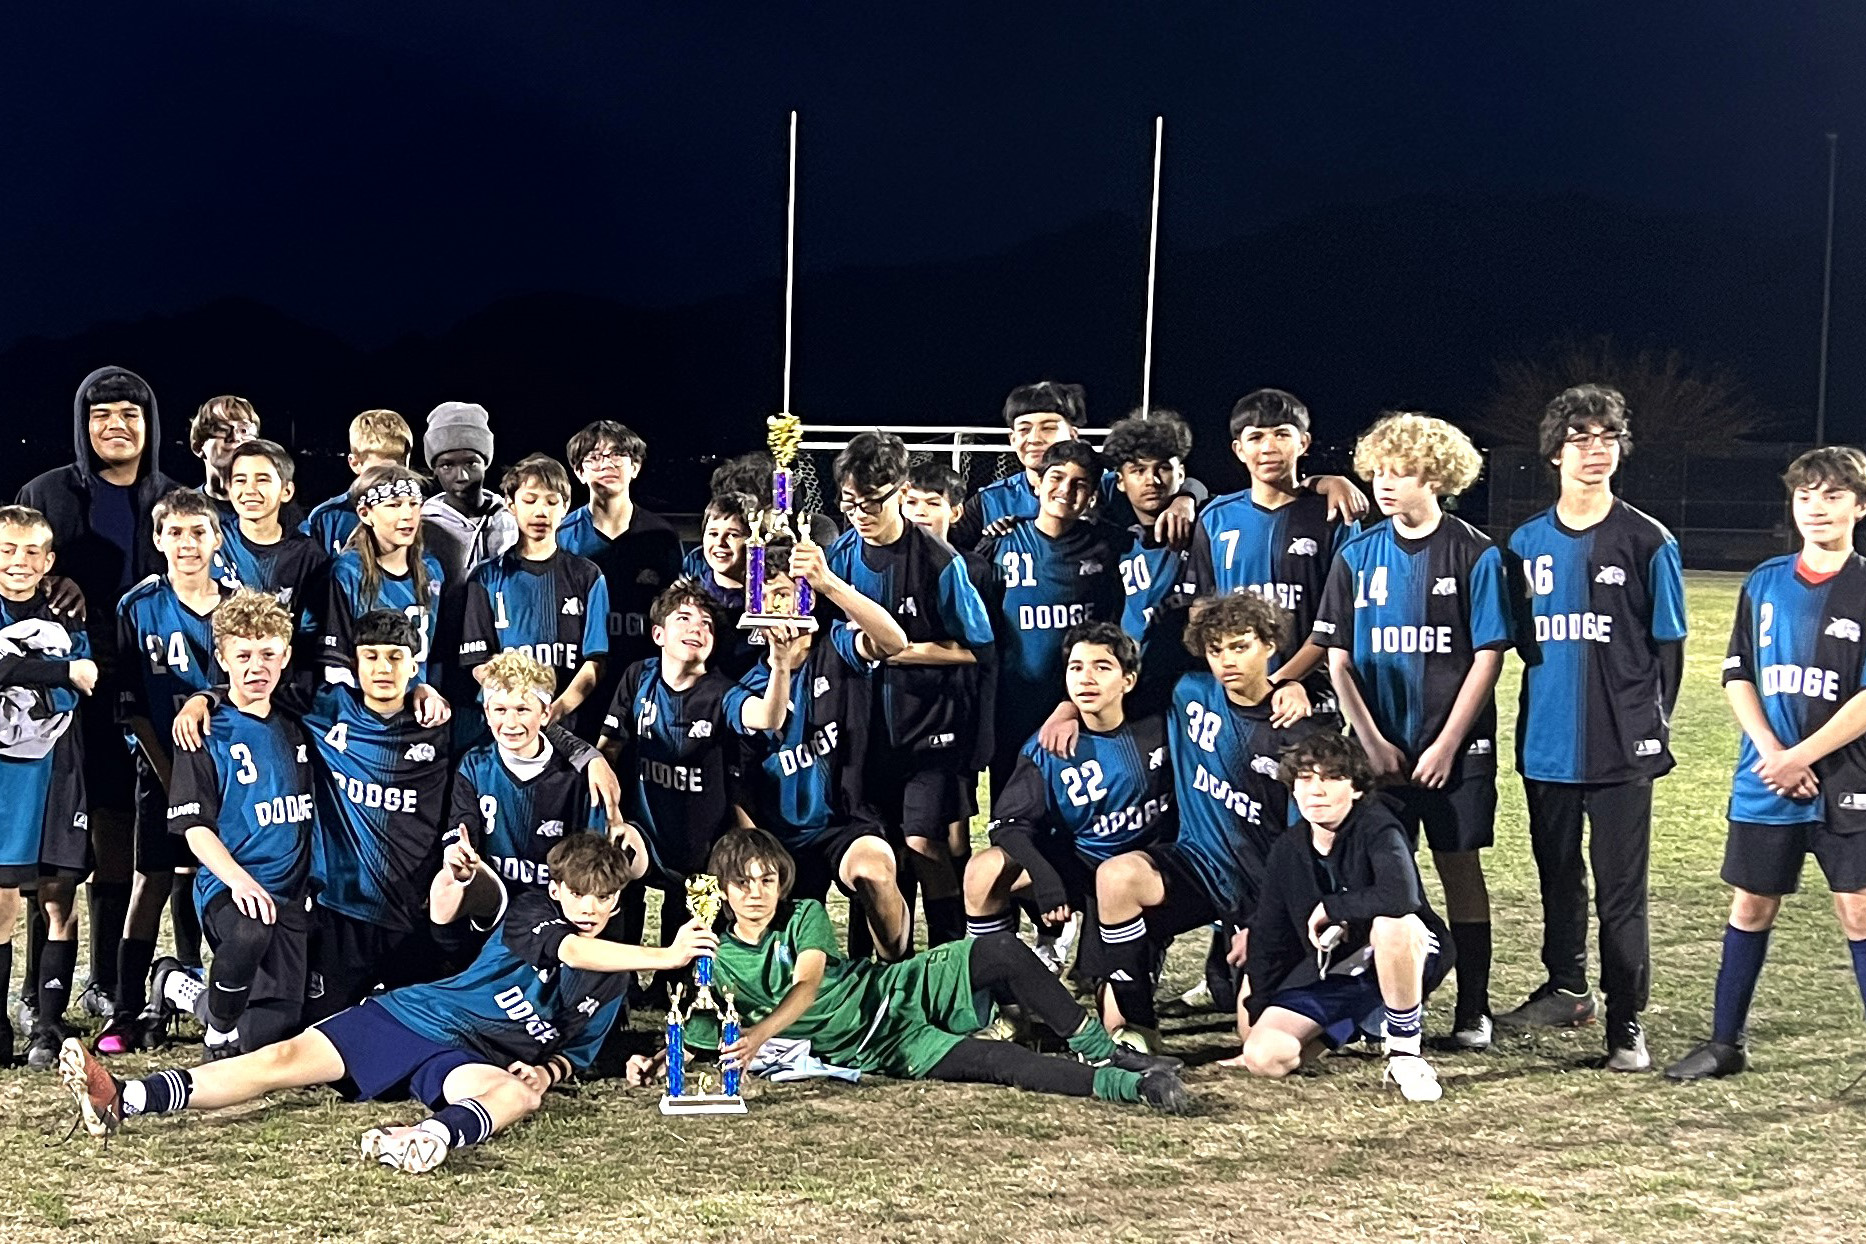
(388,489)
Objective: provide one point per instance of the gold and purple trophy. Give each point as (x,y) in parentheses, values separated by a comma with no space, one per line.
(703,900)
(784,436)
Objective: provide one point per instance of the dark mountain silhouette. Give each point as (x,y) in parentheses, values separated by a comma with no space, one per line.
(1355,308)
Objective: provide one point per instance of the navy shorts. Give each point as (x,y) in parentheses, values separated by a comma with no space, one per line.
(1767,859)
(1344,1006)
(385,1060)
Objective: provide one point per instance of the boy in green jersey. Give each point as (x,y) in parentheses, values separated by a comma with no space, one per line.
(782,962)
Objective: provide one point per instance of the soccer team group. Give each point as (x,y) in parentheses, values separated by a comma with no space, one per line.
(418,755)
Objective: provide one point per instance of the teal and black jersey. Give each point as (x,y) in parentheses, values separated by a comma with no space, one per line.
(680,764)
(382,798)
(555,611)
(251,785)
(1151,574)
(177,647)
(1114,795)
(636,566)
(291,568)
(514,818)
(806,779)
(330,523)
(1050,584)
(1797,641)
(42,808)
(1281,554)
(922,581)
(397,592)
(1232,806)
(1601,602)
(517,1002)
(1413,614)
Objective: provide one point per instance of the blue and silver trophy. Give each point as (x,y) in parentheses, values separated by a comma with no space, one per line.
(703,900)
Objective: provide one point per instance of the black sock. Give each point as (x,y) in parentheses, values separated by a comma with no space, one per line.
(110,910)
(1472,940)
(945,918)
(35,946)
(57,965)
(187,925)
(134,955)
(6,985)
(1126,953)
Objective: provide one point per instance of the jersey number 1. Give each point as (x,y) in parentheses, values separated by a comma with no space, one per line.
(1374,589)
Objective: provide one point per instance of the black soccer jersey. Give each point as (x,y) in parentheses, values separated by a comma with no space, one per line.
(1413,614)
(290,568)
(554,611)
(636,566)
(681,760)
(1602,600)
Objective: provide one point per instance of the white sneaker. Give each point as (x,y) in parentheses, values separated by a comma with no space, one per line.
(1474,1035)
(412,1149)
(1198,998)
(1414,1077)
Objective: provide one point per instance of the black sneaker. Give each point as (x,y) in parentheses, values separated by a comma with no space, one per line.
(1162,1090)
(1127,1058)
(1549,1007)
(217,1050)
(1710,1060)
(42,1050)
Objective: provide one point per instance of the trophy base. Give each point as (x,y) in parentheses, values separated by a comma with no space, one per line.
(704,1103)
(766,621)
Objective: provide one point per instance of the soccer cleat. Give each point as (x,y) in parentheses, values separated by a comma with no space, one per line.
(1195,1001)
(1135,1037)
(215,1051)
(1710,1060)
(122,1035)
(27,1013)
(1472,1034)
(42,1050)
(1414,1077)
(1127,1058)
(1162,1090)
(1549,1007)
(1626,1046)
(99,1094)
(412,1149)
(97,1002)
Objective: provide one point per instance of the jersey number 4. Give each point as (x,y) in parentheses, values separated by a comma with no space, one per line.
(1374,589)
(174,654)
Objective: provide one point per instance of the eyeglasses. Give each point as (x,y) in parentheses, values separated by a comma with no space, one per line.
(603,457)
(237,434)
(871,504)
(1606,440)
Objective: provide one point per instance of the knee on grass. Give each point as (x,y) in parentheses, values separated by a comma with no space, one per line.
(1272,1054)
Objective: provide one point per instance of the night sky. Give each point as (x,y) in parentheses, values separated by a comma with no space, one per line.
(378,170)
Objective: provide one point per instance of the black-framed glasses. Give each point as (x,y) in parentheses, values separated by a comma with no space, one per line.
(1603,438)
(871,504)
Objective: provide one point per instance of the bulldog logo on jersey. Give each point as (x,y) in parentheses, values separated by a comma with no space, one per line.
(1265,765)
(1843,628)
(1303,546)
(1088,567)
(551,829)
(819,687)
(573,607)
(1156,758)
(419,751)
(1613,576)
(649,578)
(700,730)
(589,1006)
(1446,586)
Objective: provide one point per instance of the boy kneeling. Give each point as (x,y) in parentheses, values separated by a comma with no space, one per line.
(478,1049)
(1343,940)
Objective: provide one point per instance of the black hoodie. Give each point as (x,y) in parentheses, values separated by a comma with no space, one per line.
(64,495)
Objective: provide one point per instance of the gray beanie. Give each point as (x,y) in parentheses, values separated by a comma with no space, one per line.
(457,425)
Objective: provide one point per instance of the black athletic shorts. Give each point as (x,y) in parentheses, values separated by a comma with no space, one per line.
(1186,905)
(1456,818)
(109,770)
(916,795)
(819,863)
(352,957)
(1767,859)
(278,992)
(157,850)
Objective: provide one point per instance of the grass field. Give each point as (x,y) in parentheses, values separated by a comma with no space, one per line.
(1529,1143)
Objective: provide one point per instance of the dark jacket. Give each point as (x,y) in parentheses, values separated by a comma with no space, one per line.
(63,495)
(1374,875)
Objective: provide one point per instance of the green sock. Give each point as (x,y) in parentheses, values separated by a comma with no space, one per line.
(1114,1084)
(1092,1041)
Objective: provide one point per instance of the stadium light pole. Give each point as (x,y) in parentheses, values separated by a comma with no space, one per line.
(1827,293)
(1153,252)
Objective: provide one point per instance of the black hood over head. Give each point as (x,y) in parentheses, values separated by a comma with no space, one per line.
(114,384)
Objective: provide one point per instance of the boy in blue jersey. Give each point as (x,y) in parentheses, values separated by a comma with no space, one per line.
(1795,677)
(478,1049)
(44,658)
(1224,746)
(1059,570)
(258,551)
(1278,537)
(1148,453)
(551,605)
(1344,942)
(169,620)
(244,803)
(384,565)
(1416,616)
(376,438)
(805,776)
(920,749)
(1603,651)
(1057,820)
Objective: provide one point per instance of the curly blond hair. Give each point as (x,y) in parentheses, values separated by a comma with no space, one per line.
(512,670)
(249,614)
(1407,442)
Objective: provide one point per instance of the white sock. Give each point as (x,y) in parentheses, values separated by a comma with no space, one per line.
(135,1097)
(183,990)
(1403,1045)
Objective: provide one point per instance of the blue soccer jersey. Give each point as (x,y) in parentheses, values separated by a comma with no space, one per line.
(922,581)
(1114,795)
(381,802)
(177,647)
(555,611)
(250,784)
(1601,600)
(1796,640)
(330,523)
(1015,496)
(515,811)
(348,603)
(34,806)
(289,568)
(1281,554)
(517,1002)
(1151,574)
(1232,806)
(1413,613)
(680,758)
(806,779)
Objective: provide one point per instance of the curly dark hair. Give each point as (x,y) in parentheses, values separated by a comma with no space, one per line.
(1214,619)
(1329,754)
(1582,407)
(1160,436)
